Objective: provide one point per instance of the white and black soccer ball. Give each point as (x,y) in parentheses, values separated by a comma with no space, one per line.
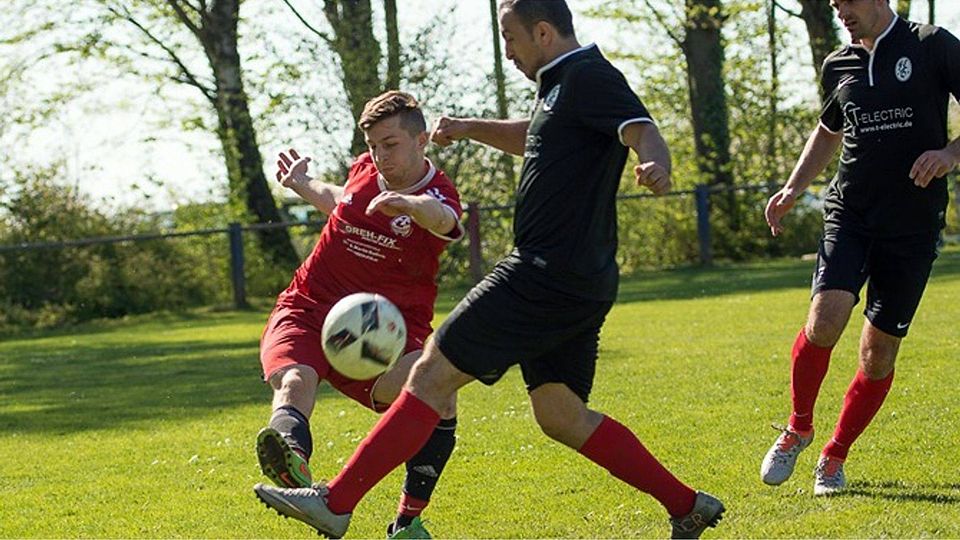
(362,335)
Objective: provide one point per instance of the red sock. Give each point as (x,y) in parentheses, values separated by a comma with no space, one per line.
(411,506)
(860,405)
(809,367)
(397,437)
(617,449)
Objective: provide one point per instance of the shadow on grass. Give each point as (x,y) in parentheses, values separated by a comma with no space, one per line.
(897,490)
(61,389)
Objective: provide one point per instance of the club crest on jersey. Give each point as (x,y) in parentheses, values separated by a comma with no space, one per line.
(551,99)
(904,69)
(402,225)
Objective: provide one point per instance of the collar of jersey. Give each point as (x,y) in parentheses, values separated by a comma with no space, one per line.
(431,172)
(881,36)
(559,59)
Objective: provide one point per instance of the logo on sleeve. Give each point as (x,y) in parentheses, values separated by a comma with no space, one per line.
(551,99)
(904,69)
(402,225)
(435,193)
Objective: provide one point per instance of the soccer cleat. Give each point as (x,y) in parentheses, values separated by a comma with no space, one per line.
(707,512)
(780,460)
(283,465)
(828,477)
(308,505)
(414,530)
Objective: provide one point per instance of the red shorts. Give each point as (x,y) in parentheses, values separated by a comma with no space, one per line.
(292,336)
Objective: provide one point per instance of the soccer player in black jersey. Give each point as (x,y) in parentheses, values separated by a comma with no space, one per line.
(885,100)
(543,305)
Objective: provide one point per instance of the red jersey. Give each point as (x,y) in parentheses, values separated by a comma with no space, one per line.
(391,256)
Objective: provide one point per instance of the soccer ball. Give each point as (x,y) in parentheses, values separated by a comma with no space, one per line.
(362,335)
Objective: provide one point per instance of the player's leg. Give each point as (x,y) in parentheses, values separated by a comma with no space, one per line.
(838,277)
(899,273)
(285,445)
(559,384)
(423,469)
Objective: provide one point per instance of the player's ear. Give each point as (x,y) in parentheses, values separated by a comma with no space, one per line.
(423,139)
(544,33)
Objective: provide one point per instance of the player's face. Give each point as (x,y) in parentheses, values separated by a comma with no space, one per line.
(862,18)
(397,154)
(520,46)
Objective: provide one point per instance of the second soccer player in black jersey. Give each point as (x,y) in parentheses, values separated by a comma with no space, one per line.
(542,306)
(885,100)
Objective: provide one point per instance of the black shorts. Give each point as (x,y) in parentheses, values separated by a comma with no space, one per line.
(515,316)
(898,269)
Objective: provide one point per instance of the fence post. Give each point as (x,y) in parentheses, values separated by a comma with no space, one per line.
(473,236)
(703,224)
(235,232)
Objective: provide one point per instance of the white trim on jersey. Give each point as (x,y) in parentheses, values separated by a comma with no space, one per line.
(559,59)
(422,183)
(461,232)
(638,120)
(825,127)
(876,44)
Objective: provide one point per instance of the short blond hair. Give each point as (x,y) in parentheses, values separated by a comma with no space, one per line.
(390,104)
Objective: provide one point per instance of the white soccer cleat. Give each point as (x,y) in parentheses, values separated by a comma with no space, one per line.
(308,505)
(828,477)
(781,459)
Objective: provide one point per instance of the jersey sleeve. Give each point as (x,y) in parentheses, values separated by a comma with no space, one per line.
(946,56)
(445,192)
(362,161)
(604,100)
(831,116)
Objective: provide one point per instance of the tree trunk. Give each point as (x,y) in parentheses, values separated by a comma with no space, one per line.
(822,30)
(932,11)
(359,53)
(903,8)
(393,45)
(505,161)
(704,51)
(248,185)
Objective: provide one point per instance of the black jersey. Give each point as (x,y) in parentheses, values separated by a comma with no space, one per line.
(566,218)
(891,104)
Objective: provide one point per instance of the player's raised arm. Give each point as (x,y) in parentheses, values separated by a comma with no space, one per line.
(655,165)
(509,136)
(292,173)
(821,146)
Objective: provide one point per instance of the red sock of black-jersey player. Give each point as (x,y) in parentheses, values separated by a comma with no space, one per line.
(423,471)
(295,429)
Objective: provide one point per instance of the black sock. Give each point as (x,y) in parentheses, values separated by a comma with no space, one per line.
(423,469)
(294,427)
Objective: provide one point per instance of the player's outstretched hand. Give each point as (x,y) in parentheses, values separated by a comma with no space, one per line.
(930,165)
(777,207)
(652,175)
(446,130)
(390,203)
(292,169)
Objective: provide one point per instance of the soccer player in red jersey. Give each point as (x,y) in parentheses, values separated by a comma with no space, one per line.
(885,98)
(386,229)
(543,305)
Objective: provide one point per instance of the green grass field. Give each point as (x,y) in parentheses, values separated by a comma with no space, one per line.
(144,428)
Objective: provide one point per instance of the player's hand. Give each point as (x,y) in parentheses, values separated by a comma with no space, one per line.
(446,130)
(392,204)
(777,207)
(930,165)
(292,169)
(654,176)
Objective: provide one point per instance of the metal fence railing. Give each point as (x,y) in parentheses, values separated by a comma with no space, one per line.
(682,227)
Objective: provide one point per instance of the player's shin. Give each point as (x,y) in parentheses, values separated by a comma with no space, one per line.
(423,472)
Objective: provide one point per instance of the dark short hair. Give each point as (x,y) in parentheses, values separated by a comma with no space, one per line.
(530,12)
(390,104)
